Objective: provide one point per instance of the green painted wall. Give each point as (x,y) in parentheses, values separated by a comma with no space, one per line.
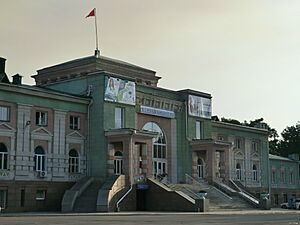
(262,138)
(288,166)
(97,155)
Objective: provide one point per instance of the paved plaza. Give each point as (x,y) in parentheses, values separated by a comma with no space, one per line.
(273,217)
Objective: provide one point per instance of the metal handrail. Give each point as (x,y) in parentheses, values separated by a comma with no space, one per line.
(121,199)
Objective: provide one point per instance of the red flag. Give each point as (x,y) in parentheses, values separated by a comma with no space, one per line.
(92,13)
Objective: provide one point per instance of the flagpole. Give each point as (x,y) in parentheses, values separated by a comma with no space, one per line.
(97,52)
(97,47)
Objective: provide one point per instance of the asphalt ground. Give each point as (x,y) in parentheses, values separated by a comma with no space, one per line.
(272,217)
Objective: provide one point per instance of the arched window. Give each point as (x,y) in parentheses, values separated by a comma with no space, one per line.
(39,159)
(254,172)
(200,168)
(238,171)
(159,149)
(3,157)
(73,161)
(118,163)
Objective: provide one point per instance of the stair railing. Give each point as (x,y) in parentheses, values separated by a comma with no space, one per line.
(122,198)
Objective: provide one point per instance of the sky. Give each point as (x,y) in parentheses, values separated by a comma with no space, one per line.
(246,54)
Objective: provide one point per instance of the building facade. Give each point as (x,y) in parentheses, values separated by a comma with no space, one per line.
(98,117)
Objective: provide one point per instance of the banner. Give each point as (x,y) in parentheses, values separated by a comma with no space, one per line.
(118,90)
(199,106)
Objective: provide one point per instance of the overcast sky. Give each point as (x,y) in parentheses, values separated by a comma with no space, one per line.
(245,53)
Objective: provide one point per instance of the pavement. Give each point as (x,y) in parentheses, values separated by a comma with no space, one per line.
(275,211)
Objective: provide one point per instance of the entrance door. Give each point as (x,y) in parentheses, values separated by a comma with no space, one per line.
(3,198)
(141,200)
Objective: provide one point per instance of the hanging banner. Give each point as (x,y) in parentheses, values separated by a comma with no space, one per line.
(118,90)
(199,106)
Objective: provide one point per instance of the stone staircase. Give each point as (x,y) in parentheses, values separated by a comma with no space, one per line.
(87,202)
(218,200)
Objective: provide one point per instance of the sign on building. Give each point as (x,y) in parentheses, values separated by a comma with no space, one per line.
(118,90)
(199,106)
(157,112)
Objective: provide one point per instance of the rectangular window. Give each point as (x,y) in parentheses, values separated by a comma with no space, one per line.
(254,146)
(40,162)
(40,195)
(4,113)
(237,143)
(291,178)
(199,130)
(119,117)
(3,160)
(273,177)
(41,118)
(74,122)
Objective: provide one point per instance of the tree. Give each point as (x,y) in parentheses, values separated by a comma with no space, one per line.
(290,142)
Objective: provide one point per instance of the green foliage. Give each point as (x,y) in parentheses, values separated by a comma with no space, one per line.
(290,142)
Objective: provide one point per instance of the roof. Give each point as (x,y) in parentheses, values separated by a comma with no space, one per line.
(71,63)
(239,127)
(43,92)
(276,157)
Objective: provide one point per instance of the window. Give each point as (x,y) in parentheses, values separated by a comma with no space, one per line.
(273,177)
(254,173)
(282,176)
(73,161)
(3,157)
(291,177)
(254,146)
(119,117)
(238,171)
(39,159)
(74,122)
(40,195)
(237,143)
(200,168)
(199,130)
(4,113)
(118,163)
(41,118)
(159,149)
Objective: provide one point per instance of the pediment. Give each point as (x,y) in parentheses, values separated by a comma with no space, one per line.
(75,134)
(255,155)
(41,131)
(239,155)
(6,127)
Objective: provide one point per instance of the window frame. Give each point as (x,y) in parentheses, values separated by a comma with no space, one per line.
(74,122)
(119,117)
(74,163)
(4,159)
(2,119)
(199,129)
(43,193)
(39,118)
